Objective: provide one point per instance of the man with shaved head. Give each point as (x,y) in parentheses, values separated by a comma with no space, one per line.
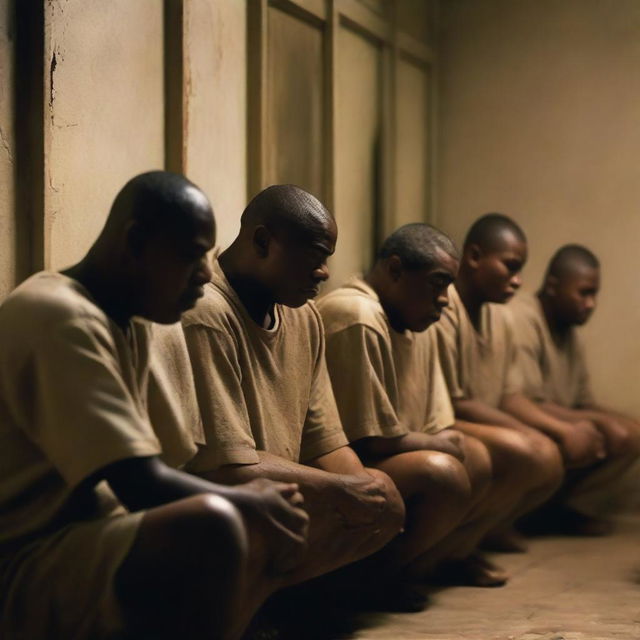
(98,534)
(256,344)
(554,374)
(478,356)
(395,406)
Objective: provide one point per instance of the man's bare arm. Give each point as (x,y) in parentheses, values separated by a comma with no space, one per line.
(580,442)
(476,411)
(617,430)
(337,477)
(447,441)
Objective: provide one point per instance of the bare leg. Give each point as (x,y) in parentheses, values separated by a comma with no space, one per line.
(191,574)
(527,471)
(438,495)
(595,490)
(457,548)
(332,545)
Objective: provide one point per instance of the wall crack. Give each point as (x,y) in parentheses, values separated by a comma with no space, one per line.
(5,145)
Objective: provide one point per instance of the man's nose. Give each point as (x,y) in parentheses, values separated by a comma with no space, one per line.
(516,281)
(203,273)
(321,273)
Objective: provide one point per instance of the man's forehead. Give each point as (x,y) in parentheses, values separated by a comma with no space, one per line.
(322,232)
(579,271)
(506,241)
(445,262)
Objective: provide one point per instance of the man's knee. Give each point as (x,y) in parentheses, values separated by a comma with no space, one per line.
(202,537)
(477,462)
(632,443)
(443,474)
(532,459)
(208,527)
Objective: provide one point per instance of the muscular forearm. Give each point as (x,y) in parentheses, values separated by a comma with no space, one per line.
(528,412)
(570,414)
(310,480)
(147,483)
(377,446)
(446,441)
(476,411)
(604,412)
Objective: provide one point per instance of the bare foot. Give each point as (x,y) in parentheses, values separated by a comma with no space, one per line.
(504,541)
(474,571)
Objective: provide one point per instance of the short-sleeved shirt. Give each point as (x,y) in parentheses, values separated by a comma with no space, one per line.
(481,364)
(550,371)
(259,389)
(172,404)
(72,401)
(386,383)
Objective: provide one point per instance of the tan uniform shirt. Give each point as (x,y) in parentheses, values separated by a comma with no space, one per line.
(259,389)
(386,383)
(173,407)
(478,364)
(72,400)
(550,372)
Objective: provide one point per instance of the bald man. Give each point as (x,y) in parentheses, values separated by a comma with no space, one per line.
(478,355)
(256,344)
(552,366)
(394,403)
(88,504)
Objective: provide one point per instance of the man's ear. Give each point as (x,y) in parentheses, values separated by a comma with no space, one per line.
(261,240)
(472,255)
(551,286)
(394,267)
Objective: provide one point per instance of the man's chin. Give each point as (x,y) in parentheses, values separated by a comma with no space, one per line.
(298,300)
(167,318)
(419,327)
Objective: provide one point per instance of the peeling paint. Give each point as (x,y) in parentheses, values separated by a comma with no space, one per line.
(5,145)
(52,88)
(51,185)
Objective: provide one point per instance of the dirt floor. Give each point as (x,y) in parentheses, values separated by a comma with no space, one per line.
(562,589)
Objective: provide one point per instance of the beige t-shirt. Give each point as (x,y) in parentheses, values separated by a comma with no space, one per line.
(259,389)
(386,383)
(72,400)
(550,372)
(173,407)
(478,364)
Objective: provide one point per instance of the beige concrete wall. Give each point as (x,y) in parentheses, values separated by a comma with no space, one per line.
(216,106)
(104,114)
(412,143)
(539,107)
(358,139)
(7,152)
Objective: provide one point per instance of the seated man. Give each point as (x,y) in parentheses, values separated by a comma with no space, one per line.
(396,410)
(88,510)
(552,366)
(477,353)
(257,350)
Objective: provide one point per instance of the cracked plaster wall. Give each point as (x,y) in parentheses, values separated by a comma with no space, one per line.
(7,143)
(105,113)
